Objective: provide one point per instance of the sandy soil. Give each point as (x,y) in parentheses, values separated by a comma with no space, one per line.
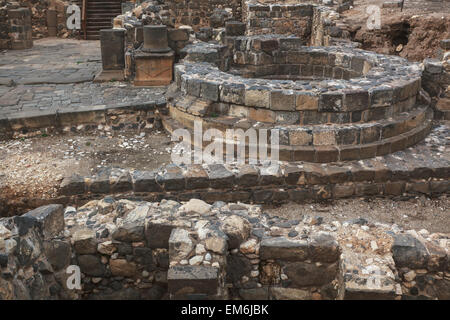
(418,213)
(414,33)
(35,167)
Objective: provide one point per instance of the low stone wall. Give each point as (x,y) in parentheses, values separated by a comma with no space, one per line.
(193,250)
(311,21)
(298,182)
(201,13)
(122,116)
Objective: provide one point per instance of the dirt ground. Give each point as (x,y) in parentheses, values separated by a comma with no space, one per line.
(414,33)
(34,167)
(419,213)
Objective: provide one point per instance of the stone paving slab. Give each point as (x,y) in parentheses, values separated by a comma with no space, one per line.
(57,74)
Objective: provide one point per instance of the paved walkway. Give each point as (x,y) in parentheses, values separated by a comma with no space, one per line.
(57,74)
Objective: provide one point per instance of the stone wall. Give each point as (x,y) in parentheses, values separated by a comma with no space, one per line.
(436,81)
(204,13)
(194,250)
(279,19)
(309,20)
(18,28)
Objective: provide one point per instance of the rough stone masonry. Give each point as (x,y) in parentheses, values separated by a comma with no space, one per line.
(190,250)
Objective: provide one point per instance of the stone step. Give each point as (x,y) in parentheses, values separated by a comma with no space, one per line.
(187,112)
(315,153)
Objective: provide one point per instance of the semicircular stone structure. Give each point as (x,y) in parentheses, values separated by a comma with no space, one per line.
(327,103)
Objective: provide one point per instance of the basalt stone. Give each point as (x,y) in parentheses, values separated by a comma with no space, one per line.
(323,247)
(145,181)
(235,28)
(130,232)
(100,184)
(172,179)
(254,293)
(196,177)
(220,177)
(50,219)
(58,253)
(157,234)
(91,265)
(85,241)
(409,252)
(248,176)
(237,266)
(188,280)
(113,48)
(292,174)
(122,184)
(304,274)
(233,93)
(283,249)
(72,185)
(3,260)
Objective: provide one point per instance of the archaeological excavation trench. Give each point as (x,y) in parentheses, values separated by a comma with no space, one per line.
(350,123)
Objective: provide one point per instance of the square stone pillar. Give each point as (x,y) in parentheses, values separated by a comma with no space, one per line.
(52,22)
(20,28)
(112,43)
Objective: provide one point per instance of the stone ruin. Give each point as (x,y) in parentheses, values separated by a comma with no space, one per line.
(186,232)
(194,250)
(328,103)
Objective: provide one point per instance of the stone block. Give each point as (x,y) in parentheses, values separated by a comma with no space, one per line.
(282,100)
(145,181)
(330,102)
(220,177)
(283,249)
(49,219)
(257,96)
(409,252)
(189,282)
(171,178)
(112,43)
(307,102)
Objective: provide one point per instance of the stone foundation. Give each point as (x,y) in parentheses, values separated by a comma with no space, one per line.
(193,250)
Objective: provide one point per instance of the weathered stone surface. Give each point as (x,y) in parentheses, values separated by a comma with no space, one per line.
(196,206)
(323,247)
(122,268)
(58,253)
(157,234)
(304,274)
(186,282)
(145,181)
(49,218)
(180,244)
(254,294)
(216,244)
(91,265)
(279,293)
(237,267)
(283,249)
(85,241)
(237,229)
(408,251)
